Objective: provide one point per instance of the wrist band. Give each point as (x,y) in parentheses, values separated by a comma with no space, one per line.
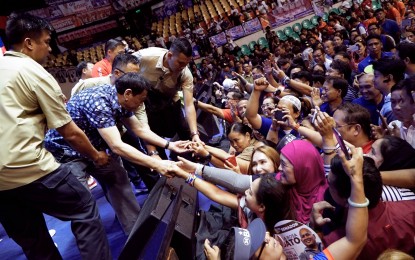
(167,145)
(190,179)
(329,148)
(285,80)
(329,153)
(155,152)
(208,157)
(296,127)
(199,169)
(358,205)
(193,134)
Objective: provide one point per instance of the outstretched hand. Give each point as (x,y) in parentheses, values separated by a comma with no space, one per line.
(180,146)
(186,165)
(317,219)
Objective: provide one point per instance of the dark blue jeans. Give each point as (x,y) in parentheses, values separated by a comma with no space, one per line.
(61,195)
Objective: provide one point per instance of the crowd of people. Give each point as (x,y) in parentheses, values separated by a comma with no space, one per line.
(321,131)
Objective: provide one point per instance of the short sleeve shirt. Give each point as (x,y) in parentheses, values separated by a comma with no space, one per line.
(102,68)
(30,102)
(160,77)
(91,109)
(99,81)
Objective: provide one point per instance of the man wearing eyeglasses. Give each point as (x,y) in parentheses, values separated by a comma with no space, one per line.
(99,111)
(312,247)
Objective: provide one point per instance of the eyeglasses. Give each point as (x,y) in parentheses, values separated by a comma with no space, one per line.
(268,105)
(340,126)
(120,70)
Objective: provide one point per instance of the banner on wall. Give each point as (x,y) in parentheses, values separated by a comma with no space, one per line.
(87,32)
(236,32)
(252,26)
(127,4)
(318,6)
(219,39)
(289,11)
(64,24)
(75,7)
(96,14)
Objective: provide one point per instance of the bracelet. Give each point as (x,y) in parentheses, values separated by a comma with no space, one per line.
(358,205)
(190,179)
(285,80)
(194,133)
(329,147)
(208,157)
(329,153)
(199,169)
(155,152)
(296,127)
(167,145)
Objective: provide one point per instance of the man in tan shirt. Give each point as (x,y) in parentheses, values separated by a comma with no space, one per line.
(31,181)
(167,72)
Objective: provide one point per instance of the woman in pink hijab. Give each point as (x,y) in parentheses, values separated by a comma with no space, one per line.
(302,168)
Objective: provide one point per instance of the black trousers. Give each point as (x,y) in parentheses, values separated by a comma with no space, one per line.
(134,170)
(61,195)
(167,122)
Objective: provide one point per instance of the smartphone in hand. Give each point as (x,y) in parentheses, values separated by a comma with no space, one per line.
(232,160)
(341,143)
(313,116)
(278,115)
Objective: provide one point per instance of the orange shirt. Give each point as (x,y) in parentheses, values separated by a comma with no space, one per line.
(369,21)
(394,14)
(102,68)
(400,7)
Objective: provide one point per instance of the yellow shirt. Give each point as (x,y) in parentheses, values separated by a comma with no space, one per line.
(30,102)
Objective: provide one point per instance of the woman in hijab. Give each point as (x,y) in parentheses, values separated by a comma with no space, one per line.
(301,170)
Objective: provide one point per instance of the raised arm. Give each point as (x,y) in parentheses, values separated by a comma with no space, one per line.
(350,246)
(253,103)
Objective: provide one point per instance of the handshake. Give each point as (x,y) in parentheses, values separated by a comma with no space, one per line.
(180,169)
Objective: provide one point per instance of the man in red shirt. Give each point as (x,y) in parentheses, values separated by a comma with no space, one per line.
(104,66)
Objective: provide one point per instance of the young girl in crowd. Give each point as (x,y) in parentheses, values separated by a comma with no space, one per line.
(259,200)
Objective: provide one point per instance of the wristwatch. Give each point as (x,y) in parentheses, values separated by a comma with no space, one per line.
(155,152)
